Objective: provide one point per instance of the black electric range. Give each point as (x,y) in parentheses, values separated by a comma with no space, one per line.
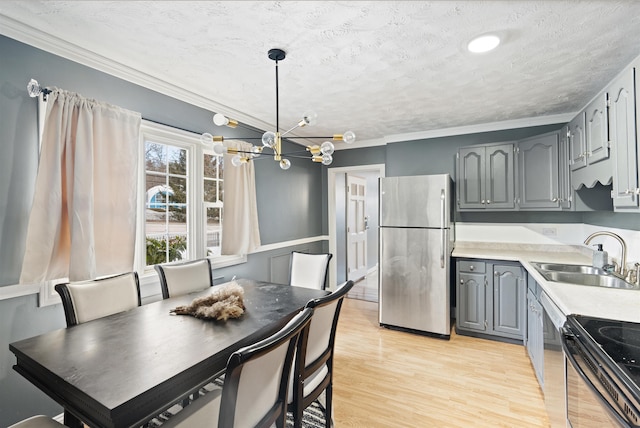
(609,352)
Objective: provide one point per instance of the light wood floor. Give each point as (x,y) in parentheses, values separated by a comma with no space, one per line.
(387,378)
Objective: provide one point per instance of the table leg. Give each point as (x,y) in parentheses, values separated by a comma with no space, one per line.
(72,421)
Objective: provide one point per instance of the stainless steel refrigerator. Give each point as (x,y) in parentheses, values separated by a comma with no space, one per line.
(416,240)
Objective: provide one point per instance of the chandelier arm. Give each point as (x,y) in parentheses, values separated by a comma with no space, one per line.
(289,130)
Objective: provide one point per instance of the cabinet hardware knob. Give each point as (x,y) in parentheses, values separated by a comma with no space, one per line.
(483,201)
(471,267)
(626,192)
(488,201)
(462,281)
(554,200)
(496,273)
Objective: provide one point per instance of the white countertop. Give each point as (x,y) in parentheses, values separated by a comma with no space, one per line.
(570,298)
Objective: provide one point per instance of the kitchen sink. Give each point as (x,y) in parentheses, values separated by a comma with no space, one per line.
(555,267)
(581,275)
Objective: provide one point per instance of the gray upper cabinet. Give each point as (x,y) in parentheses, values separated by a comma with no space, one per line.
(622,118)
(597,130)
(589,134)
(486,177)
(577,143)
(538,172)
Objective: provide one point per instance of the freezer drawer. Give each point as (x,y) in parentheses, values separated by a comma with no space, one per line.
(414,279)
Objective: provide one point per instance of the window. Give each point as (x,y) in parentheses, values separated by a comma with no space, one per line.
(181,199)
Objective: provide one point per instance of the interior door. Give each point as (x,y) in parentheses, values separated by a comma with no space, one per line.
(356,228)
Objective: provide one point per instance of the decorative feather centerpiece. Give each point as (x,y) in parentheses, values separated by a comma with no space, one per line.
(225,302)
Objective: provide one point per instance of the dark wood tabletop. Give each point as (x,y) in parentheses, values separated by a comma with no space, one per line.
(121,370)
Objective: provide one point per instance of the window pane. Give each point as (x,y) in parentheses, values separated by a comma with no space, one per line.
(210,190)
(210,166)
(155,157)
(177,160)
(214,230)
(166,198)
(220,191)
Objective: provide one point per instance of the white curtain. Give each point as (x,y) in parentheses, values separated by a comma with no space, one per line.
(240,232)
(83,218)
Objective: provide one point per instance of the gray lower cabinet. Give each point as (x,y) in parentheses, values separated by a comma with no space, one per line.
(490,298)
(535,333)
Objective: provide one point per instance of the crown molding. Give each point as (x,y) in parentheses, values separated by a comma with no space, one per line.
(463,130)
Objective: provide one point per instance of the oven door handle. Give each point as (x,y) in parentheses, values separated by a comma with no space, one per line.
(612,411)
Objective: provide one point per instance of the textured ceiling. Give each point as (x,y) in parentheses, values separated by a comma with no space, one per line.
(380,68)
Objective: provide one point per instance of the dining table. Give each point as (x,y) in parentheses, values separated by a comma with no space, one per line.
(126,368)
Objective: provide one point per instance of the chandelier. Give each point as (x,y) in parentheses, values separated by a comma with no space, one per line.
(272,141)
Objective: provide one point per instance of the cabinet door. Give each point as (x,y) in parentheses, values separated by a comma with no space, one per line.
(471,173)
(565,191)
(577,143)
(597,132)
(471,301)
(509,301)
(623,141)
(500,176)
(538,172)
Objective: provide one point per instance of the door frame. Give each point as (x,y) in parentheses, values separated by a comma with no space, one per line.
(331,208)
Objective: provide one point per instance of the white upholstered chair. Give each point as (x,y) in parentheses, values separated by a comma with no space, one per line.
(183,278)
(313,372)
(255,387)
(309,270)
(39,421)
(88,300)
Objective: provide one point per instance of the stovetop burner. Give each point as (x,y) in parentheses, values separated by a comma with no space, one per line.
(620,340)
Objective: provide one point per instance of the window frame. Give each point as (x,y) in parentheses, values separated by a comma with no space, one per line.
(196,211)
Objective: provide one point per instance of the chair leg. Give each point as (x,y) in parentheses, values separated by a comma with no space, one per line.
(328,409)
(297,415)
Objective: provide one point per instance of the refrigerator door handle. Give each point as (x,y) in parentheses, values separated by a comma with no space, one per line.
(442,209)
(442,230)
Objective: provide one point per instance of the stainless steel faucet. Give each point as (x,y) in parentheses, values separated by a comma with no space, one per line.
(622,269)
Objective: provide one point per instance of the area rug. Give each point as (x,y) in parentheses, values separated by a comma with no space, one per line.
(312,417)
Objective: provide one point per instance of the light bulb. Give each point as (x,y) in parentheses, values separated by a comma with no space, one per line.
(236,160)
(219,149)
(285,164)
(327,159)
(309,119)
(206,139)
(220,119)
(327,148)
(269,139)
(349,137)
(256,151)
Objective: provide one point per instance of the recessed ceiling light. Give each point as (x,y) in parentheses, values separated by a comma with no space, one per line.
(483,43)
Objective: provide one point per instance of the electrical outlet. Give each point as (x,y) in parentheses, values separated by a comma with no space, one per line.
(549,231)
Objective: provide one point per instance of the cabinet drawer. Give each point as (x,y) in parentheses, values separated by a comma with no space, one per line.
(471,266)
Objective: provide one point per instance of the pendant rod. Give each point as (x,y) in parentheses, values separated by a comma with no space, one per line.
(277,101)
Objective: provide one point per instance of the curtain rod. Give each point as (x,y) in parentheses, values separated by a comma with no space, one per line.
(34,89)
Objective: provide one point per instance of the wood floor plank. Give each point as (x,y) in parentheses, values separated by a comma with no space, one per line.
(388,378)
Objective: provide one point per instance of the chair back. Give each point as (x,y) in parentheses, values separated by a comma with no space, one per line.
(314,354)
(257,379)
(88,300)
(309,270)
(183,278)
(255,390)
